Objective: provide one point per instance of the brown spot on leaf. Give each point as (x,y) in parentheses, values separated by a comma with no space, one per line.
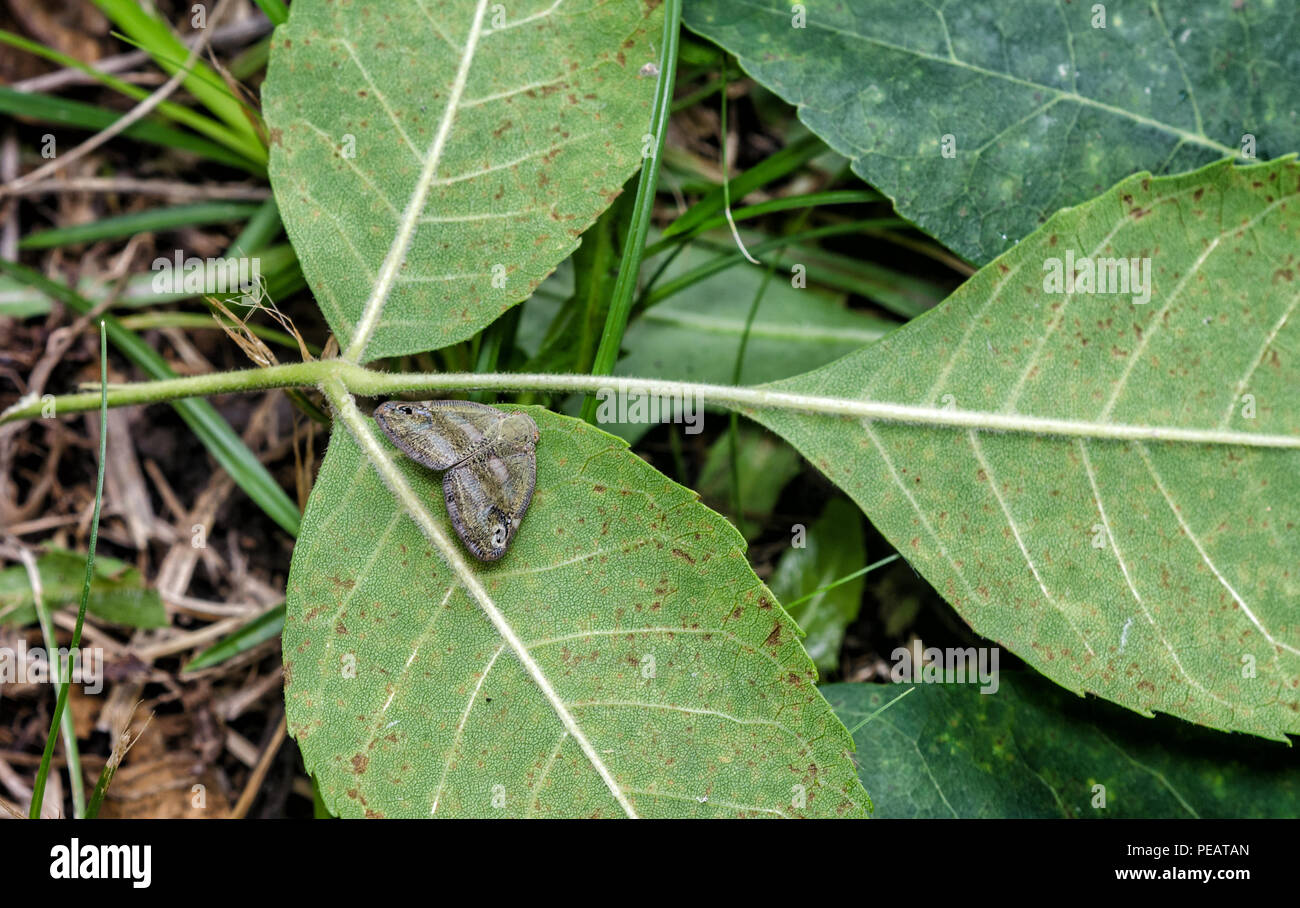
(774,638)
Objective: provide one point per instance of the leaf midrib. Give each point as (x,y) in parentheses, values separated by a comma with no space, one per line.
(410,220)
(1082,100)
(346,409)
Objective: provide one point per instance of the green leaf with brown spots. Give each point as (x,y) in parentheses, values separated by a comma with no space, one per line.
(621,658)
(1031,749)
(1108,487)
(980,120)
(434,161)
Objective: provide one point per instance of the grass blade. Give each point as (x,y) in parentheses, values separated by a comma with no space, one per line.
(772,206)
(101,788)
(152,221)
(275,10)
(257,234)
(889,559)
(75,781)
(122,742)
(629,269)
(38,789)
(262,628)
(155,37)
(723,262)
(218,132)
(785,161)
(65,112)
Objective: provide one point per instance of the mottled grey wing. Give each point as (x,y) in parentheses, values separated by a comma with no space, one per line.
(487,496)
(437,433)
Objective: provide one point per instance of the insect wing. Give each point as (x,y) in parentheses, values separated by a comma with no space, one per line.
(437,433)
(487,496)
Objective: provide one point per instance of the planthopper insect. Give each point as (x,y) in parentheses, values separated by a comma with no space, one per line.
(490,462)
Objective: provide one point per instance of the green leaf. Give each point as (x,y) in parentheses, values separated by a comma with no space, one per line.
(1158,573)
(695,334)
(833,548)
(765,465)
(568,341)
(117,591)
(1033,750)
(891,289)
(622,656)
(435,162)
(1045,109)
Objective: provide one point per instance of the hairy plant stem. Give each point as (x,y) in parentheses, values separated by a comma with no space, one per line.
(367,383)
